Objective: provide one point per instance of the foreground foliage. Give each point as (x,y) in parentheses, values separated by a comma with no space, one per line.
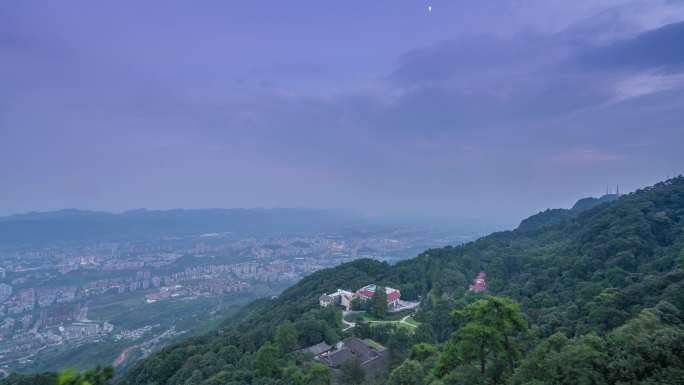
(98,376)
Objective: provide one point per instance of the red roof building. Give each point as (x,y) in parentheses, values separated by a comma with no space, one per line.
(479,285)
(367,292)
(344,298)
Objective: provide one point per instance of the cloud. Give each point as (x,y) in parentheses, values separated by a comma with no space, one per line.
(487,80)
(642,84)
(587,156)
(463,58)
(660,48)
(416,114)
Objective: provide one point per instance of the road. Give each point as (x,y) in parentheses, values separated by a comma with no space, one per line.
(401,321)
(123,355)
(349,324)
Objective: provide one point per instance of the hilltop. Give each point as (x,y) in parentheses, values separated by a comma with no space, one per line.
(551,217)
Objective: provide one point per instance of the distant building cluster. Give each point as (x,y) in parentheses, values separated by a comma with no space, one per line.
(83,330)
(344,298)
(133,334)
(195,289)
(5,291)
(43,303)
(28,341)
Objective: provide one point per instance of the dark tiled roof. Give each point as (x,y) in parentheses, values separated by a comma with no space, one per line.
(338,357)
(317,349)
(352,347)
(360,349)
(378,366)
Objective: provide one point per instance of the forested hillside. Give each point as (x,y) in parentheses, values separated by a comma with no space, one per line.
(591,298)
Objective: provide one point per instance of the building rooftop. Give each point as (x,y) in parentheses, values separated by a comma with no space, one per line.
(348,349)
(317,349)
(369,292)
(479,284)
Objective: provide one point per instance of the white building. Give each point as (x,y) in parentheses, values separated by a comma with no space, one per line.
(340,297)
(5,291)
(344,298)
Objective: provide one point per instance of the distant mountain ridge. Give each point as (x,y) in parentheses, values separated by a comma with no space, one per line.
(78,225)
(591,202)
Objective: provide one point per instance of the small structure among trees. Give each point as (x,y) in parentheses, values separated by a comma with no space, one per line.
(354,359)
(479,284)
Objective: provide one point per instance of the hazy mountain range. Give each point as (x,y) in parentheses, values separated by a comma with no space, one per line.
(71,225)
(77,225)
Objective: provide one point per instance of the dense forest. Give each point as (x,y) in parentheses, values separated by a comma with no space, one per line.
(592,295)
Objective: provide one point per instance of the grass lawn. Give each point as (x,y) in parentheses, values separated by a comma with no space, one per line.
(412,322)
(409,326)
(406,326)
(390,317)
(376,346)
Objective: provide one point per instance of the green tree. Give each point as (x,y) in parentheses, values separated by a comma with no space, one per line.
(647,349)
(399,343)
(98,376)
(378,305)
(441,320)
(195,379)
(540,363)
(351,372)
(422,352)
(491,327)
(449,359)
(230,354)
(558,360)
(286,337)
(408,373)
(603,311)
(476,341)
(680,259)
(332,315)
(266,361)
(362,329)
(424,333)
(509,322)
(33,379)
(357,304)
(295,377)
(318,374)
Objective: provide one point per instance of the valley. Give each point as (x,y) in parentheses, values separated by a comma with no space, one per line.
(84,303)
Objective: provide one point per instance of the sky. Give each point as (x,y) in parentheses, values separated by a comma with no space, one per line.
(473,109)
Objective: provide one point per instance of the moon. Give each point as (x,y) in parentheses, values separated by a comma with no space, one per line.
(429,8)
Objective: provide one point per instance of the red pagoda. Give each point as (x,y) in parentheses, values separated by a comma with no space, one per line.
(479,284)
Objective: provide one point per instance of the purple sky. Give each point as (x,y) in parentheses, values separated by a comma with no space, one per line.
(490,109)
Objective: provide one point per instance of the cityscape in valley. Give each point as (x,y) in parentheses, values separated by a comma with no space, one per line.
(61,303)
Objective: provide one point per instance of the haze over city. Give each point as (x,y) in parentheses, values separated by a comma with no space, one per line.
(468,109)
